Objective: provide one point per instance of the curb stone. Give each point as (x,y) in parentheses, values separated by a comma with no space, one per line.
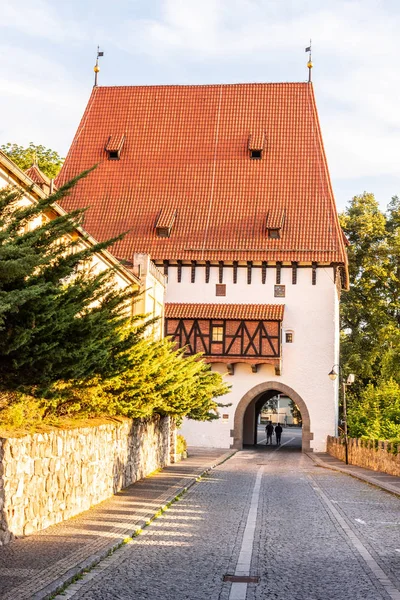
(61,584)
(371,480)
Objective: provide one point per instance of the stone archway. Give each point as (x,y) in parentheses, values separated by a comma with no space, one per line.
(253,394)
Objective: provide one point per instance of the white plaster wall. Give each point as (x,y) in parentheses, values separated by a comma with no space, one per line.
(311,312)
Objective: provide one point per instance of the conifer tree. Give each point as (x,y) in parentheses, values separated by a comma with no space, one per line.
(159,380)
(66,337)
(58,320)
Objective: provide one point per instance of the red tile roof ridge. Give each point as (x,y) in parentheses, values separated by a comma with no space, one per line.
(205,85)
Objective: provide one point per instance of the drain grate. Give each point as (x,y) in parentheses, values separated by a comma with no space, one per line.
(241,579)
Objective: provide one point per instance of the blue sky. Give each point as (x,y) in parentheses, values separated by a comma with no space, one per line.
(47,53)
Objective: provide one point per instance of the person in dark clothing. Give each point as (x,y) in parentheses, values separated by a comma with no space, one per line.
(269,430)
(278,433)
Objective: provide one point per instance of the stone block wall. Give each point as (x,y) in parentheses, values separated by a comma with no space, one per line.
(371,454)
(46,478)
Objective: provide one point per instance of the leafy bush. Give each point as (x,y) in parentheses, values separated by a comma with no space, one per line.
(375,414)
(181,445)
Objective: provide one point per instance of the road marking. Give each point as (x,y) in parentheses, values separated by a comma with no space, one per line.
(379,573)
(378,522)
(239,590)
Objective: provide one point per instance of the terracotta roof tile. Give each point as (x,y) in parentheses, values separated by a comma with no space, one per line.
(37,176)
(257,141)
(186,148)
(166,218)
(250,312)
(275,218)
(115,142)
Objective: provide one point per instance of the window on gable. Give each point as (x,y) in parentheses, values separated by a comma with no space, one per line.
(217,333)
(220,289)
(289,337)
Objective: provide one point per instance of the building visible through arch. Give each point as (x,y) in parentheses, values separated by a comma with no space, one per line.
(226,188)
(245,419)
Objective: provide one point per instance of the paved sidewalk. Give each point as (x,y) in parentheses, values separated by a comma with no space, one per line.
(390,483)
(35,567)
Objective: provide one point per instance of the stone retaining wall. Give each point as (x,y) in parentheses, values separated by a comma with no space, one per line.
(372,454)
(47,478)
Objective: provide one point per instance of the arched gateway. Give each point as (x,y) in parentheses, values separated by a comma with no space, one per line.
(251,398)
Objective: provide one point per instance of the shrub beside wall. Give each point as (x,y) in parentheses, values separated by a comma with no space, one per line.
(372,454)
(47,478)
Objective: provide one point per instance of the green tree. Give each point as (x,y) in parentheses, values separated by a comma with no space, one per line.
(58,320)
(48,161)
(376,413)
(296,414)
(364,314)
(370,316)
(67,344)
(159,379)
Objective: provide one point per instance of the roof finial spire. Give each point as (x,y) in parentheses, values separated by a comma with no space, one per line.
(96,66)
(309,64)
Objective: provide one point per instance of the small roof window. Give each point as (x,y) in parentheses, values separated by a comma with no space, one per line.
(165,222)
(257,144)
(274,222)
(114,146)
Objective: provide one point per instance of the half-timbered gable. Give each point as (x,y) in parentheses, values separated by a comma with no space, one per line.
(228,333)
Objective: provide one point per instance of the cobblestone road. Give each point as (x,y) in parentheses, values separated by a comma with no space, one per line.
(306,532)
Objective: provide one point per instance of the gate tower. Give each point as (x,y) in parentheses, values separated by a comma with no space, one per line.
(227,188)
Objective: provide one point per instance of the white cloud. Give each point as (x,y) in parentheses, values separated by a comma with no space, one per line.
(39,101)
(39,19)
(356,45)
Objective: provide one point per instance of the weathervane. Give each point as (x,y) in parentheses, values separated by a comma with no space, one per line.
(309,64)
(96,66)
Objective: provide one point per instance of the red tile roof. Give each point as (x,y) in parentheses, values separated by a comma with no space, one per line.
(249,312)
(187,148)
(37,176)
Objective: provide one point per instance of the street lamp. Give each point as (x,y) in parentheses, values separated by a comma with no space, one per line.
(350,379)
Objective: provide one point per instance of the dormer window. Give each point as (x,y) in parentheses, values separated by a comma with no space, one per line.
(165,222)
(274,223)
(256,145)
(114,146)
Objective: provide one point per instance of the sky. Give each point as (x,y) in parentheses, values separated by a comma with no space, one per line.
(48,50)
